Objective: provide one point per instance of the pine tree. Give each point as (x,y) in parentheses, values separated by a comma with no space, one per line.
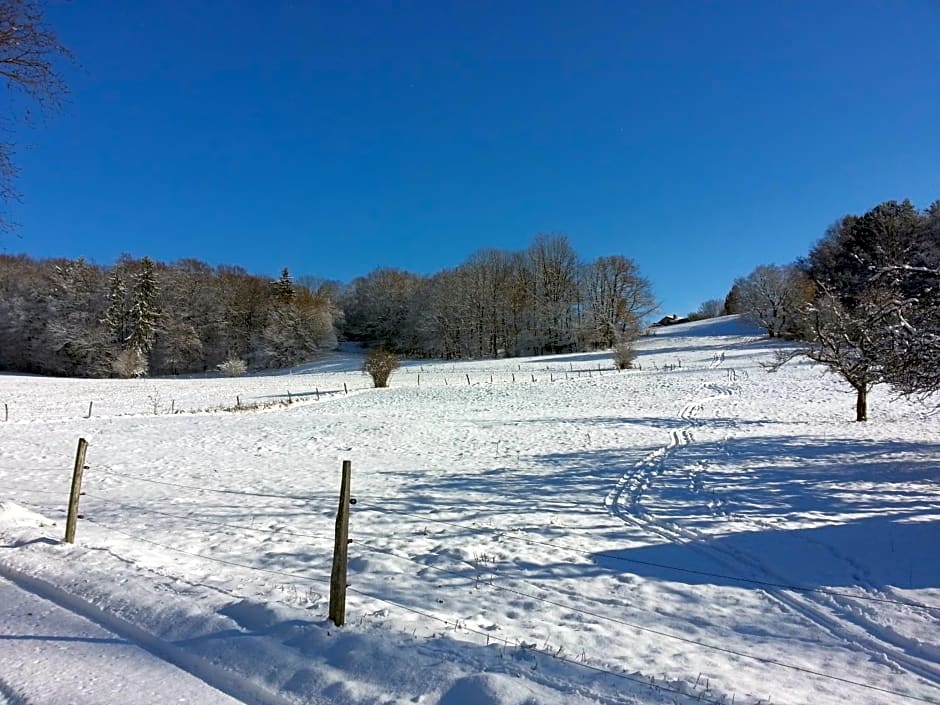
(284,287)
(144,314)
(117,317)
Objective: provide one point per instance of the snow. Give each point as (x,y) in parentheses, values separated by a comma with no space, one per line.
(696,528)
(52,655)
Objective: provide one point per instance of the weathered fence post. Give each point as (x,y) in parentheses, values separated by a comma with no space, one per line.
(72,517)
(290,399)
(340,551)
(468,380)
(345,388)
(90,404)
(318,393)
(6,412)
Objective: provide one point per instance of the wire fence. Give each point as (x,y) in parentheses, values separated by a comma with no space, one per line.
(519,588)
(455,623)
(265,392)
(514,534)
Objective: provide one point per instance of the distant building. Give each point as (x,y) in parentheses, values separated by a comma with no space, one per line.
(670,320)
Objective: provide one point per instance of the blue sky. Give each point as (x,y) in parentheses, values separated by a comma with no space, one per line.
(699,138)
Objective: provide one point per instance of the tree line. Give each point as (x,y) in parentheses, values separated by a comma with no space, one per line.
(70,317)
(864,302)
(500,303)
(138,316)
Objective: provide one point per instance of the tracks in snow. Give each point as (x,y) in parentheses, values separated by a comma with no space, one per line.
(842,617)
(232,684)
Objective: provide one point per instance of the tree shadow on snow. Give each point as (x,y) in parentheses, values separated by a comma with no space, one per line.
(874,552)
(834,512)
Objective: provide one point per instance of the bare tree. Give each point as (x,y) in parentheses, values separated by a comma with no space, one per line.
(29,52)
(617,298)
(772,296)
(378,306)
(553,264)
(712,308)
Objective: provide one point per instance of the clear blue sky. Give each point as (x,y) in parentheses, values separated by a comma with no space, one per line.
(699,138)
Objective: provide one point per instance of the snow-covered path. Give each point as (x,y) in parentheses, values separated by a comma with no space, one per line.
(52,655)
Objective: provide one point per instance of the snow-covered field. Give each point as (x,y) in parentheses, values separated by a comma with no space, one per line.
(697,530)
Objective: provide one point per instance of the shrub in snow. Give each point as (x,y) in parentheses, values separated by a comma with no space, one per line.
(380,364)
(624,354)
(233,367)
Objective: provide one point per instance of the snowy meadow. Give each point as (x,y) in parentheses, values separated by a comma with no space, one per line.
(534,530)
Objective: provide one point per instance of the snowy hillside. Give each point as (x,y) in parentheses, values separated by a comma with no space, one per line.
(537,530)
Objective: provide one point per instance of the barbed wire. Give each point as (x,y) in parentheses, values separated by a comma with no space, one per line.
(456,623)
(509,533)
(224,561)
(650,630)
(537,598)
(217,490)
(211,522)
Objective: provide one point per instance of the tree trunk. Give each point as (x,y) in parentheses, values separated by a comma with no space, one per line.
(861,403)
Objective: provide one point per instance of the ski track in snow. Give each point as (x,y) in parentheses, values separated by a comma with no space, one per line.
(840,616)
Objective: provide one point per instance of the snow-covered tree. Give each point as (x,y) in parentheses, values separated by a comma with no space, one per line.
(144,313)
(284,287)
(847,341)
(297,329)
(118,316)
(876,315)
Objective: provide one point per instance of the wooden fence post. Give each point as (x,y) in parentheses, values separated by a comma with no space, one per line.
(468,380)
(318,393)
(90,404)
(6,412)
(345,388)
(72,518)
(340,551)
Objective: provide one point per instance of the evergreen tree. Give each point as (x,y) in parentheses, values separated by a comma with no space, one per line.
(118,317)
(144,314)
(284,287)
